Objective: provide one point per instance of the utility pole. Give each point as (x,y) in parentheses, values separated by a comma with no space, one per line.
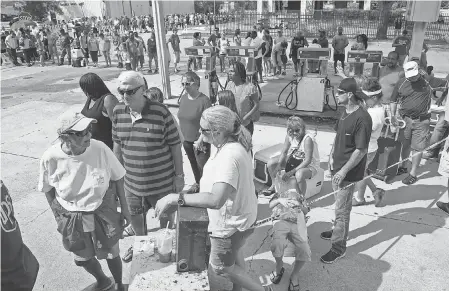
(159,31)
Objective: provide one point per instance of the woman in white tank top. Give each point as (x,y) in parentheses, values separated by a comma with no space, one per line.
(299,158)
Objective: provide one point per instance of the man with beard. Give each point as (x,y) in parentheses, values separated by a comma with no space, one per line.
(389,75)
(347,162)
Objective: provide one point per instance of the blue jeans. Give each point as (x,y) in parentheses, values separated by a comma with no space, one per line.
(343,206)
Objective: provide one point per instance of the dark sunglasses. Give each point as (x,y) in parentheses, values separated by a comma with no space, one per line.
(128,92)
(81,133)
(186,84)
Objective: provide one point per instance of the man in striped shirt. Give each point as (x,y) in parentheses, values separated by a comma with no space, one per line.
(147,142)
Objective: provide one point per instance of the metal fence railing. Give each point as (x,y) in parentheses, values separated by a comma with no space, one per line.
(366,22)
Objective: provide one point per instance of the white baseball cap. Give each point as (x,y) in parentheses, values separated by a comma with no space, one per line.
(411,69)
(73,121)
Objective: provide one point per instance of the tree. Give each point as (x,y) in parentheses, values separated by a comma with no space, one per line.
(40,9)
(384,17)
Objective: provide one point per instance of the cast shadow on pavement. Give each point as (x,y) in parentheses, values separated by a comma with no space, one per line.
(402,222)
(407,194)
(366,274)
(92,287)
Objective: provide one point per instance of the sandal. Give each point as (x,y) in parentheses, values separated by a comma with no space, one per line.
(276,278)
(268,192)
(409,180)
(292,287)
(402,170)
(128,231)
(128,256)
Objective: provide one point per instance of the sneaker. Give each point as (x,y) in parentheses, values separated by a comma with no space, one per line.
(331,257)
(284,73)
(326,235)
(355,202)
(443,206)
(378,197)
(194,189)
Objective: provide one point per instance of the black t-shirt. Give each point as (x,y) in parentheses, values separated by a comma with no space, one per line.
(19,266)
(353,132)
(297,42)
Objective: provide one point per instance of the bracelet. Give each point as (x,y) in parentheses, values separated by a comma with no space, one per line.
(180,176)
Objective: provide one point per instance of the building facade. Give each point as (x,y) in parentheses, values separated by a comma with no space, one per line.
(113,9)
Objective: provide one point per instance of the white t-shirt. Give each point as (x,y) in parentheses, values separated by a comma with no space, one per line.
(256,42)
(377,116)
(80,181)
(231,165)
(246,41)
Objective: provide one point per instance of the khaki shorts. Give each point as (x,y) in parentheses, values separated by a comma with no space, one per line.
(282,232)
(416,132)
(176,57)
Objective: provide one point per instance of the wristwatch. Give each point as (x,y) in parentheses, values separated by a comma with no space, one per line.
(181,201)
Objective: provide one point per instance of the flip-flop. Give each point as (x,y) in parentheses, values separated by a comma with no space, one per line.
(128,256)
(105,288)
(292,287)
(276,278)
(402,170)
(409,180)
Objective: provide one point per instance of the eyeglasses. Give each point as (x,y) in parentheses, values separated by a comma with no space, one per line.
(128,92)
(184,84)
(81,133)
(204,130)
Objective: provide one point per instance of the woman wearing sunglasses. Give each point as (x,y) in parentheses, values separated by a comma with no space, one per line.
(80,177)
(299,157)
(191,106)
(99,105)
(226,191)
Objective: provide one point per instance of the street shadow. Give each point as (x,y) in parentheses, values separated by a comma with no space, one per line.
(318,276)
(406,194)
(93,286)
(395,224)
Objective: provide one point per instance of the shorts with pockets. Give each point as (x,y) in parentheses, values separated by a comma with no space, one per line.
(140,204)
(282,232)
(176,57)
(224,250)
(417,132)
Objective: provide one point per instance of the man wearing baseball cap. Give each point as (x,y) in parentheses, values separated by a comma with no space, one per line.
(414,94)
(147,142)
(347,162)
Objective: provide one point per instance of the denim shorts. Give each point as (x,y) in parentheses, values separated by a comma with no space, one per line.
(369,159)
(224,250)
(284,231)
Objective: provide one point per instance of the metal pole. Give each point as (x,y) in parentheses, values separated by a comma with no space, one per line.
(162,49)
(215,24)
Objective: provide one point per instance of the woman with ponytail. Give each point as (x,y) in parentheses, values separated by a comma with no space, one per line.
(227,191)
